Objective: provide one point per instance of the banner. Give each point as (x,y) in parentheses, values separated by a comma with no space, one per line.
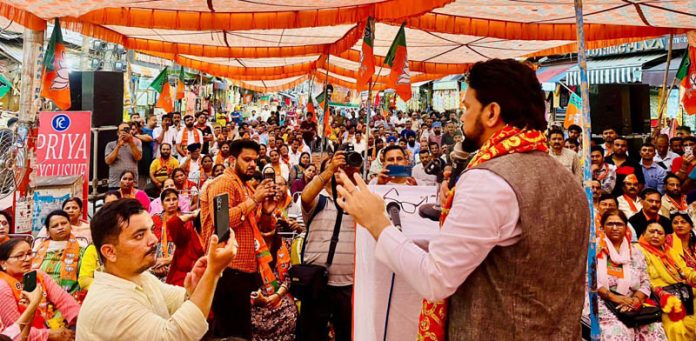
(63,146)
(373,280)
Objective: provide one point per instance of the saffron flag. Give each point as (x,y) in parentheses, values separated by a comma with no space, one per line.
(55,81)
(180,85)
(574,111)
(310,107)
(397,59)
(161,85)
(687,80)
(367,56)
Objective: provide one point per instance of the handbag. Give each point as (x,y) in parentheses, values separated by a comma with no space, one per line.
(308,281)
(632,319)
(684,293)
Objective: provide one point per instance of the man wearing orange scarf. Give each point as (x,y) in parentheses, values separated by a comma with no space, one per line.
(509,261)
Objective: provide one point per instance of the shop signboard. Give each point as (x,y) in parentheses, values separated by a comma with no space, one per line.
(63,145)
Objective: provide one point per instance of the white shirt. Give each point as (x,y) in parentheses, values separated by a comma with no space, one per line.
(295,157)
(169,137)
(422,177)
(667,160)
(626,208)
(118,309)
(481,218)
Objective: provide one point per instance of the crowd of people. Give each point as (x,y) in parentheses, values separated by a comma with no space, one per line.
(151,265)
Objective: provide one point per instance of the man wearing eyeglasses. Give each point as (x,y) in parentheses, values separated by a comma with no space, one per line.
(122,154)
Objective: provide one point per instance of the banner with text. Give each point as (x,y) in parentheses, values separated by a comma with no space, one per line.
(63,145)
(381,300)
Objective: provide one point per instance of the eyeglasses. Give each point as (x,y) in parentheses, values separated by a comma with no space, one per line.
(408,207)
(26,256)
(613,224)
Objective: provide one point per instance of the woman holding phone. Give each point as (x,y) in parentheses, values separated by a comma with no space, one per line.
(180,243)
(60,309)
(20,329)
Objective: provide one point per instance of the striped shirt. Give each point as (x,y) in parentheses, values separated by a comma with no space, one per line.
(319,240)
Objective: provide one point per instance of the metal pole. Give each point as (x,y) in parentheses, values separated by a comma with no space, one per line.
(326,107)
(664,92)
(586,126)
(367,130)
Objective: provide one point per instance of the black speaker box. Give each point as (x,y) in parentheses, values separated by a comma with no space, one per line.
(624,107)
(100,92)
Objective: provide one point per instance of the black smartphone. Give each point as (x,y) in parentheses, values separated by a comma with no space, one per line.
(221,216)
(30,281)
(269,173)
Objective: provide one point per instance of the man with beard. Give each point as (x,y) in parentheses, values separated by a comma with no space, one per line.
(223,156)
(249,211)
(675,145)
(122,154)
(436,136)
(187,136)
(624,165)
(495,243)
(203,125)
(602,171)
(126,302)
(568,158)
(164,134)
(650,213)
(609,134)
(413,146)
(309,130)
(673,201)
(629,202)
(161,168)
(448,136)
(419,173)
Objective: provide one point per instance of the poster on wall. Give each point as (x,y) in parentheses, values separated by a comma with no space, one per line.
(63,146)
(374,283)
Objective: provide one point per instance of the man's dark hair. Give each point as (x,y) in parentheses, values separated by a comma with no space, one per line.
(55,213)
(648,191)
(620,137)
(597,149)
(108,222)
(647,144)
(394,147)
(515,87)
(237,145)
(423,151)
(671,175)
(573,142)
(433,143)
(117,194)
(575,127)
(556,132)
(607,196)
(164,144)
(689,138)
(609,128)
(684,128)
(675,139)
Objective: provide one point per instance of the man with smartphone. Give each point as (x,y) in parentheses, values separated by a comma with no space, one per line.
(122,154)
(249,210)
(397,169)
(127,302)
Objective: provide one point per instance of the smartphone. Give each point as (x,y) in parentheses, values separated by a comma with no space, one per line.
(269,173)
(688,150)
(30,281)
(399,171)
(221,216)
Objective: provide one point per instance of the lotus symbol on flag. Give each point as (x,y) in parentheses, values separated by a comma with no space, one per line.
(62,73)
(405,76)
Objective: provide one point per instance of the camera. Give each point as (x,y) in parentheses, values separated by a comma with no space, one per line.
(353,158)
(434,167)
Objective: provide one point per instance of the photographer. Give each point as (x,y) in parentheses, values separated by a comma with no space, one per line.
(394,156)
(335,300)
(122,154)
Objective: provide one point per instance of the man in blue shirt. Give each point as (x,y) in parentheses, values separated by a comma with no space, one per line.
(654,175)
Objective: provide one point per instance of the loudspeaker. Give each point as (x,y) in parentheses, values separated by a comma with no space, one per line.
(624,107)
(100,92)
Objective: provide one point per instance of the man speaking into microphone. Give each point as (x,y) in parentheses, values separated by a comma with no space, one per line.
(509,261)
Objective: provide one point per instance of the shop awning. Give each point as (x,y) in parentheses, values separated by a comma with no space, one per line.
(447,83)
(655,75)
(550,75)
(613,70)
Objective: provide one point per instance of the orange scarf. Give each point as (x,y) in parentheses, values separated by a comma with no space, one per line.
(219,160)
(432,323)
(16,287)
(681,206)
(664,256)
(264,258)
(184,139)
(69,259)
(631,204)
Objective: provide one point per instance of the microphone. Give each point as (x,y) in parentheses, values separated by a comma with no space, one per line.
(393,209)
(430,211)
